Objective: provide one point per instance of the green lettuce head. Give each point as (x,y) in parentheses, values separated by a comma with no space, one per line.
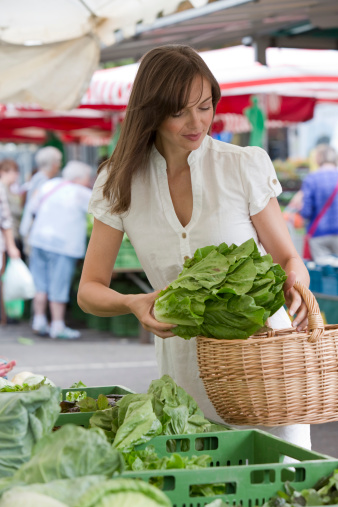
(223,292)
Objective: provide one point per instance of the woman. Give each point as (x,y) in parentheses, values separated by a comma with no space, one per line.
(9,177)
(173,189)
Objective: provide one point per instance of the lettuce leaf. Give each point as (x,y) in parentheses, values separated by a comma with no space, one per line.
(25,418)
(70,452)
(224,292)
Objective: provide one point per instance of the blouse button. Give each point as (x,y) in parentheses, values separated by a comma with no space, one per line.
(184,235)
(186,257)
(274,181)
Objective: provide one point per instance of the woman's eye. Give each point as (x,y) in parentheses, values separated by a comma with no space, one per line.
(205,108)
(177,115)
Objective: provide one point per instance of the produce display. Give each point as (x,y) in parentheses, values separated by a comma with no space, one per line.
(324,492)
(75,466)
(224,292)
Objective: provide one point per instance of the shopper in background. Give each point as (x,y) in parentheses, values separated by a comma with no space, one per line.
(48,163)
(7,242)
(320,206)
(9,177)
(57,239)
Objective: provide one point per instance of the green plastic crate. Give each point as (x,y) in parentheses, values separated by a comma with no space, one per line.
(82,418)
(249,462)
(124,325)
(99,323)
(127,257)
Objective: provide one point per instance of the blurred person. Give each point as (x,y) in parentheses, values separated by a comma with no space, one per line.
(9,177)
(57,239)
(320,205)
(48,163)
(7,243)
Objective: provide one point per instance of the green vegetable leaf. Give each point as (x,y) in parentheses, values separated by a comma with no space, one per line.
(223,292)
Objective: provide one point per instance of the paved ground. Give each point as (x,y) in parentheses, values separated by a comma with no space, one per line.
(100,359)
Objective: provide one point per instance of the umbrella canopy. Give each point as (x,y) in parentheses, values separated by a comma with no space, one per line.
(293,80)
(87,126)
(50,49)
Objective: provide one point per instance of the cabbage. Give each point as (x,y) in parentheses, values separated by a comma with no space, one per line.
(14,498)
(66,491)
(70,452)
(25,417)
(31,379)
(5,383)
(124,493)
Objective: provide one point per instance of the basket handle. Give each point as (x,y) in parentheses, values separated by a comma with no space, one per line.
(315,320)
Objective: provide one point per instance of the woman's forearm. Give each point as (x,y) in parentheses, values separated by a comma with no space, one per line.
(95,298)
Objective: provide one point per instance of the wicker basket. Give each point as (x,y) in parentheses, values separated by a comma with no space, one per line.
(277,378)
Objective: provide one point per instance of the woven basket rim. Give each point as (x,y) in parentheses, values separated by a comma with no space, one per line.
(280,334)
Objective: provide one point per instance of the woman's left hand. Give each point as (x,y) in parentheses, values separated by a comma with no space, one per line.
(295,303)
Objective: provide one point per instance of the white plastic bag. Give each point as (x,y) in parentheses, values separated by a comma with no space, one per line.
(17,281)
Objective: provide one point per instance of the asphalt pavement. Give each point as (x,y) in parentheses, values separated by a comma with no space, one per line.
(98,358)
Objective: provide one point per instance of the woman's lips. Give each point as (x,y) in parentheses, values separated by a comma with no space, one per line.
(193,137)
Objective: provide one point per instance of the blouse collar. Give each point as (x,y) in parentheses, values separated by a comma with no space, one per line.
(159,160)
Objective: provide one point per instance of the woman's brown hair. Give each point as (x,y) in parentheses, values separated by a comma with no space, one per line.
(161,88)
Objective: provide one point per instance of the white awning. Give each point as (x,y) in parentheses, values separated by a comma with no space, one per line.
(48,21)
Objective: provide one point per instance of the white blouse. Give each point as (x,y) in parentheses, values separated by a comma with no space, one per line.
(229,185)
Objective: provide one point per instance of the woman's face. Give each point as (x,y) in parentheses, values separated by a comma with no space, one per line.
(186,130)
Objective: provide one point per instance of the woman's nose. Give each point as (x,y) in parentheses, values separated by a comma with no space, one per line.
(194,119)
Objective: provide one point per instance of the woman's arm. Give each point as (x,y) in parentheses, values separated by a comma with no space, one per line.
(11,248)
(94,294)
(275,238)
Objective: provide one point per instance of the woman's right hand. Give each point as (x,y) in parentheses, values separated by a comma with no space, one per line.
(142,306)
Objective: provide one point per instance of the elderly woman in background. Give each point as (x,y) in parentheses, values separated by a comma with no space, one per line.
(57,239)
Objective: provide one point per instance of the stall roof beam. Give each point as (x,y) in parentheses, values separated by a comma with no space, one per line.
(222,23)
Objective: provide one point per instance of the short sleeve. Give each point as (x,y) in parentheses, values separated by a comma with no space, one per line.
(259,178)
(100,207)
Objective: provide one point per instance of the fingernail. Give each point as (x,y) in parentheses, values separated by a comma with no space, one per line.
(294,324)
(174,326)
(291,312)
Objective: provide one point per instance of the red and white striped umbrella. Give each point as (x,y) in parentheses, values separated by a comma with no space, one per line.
(292,81)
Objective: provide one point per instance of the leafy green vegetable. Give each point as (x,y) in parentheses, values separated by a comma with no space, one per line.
(166,409)
(137,421)
(324,492)
(14,498)
(67,491)
(31,384)
(147,459)
(89,404)
(223,292)
(124,493)
(25,418)
(175,408)
(76,395)
(70,452)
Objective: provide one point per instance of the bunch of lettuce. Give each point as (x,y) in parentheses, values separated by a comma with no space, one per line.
(224,292)
(166,409)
